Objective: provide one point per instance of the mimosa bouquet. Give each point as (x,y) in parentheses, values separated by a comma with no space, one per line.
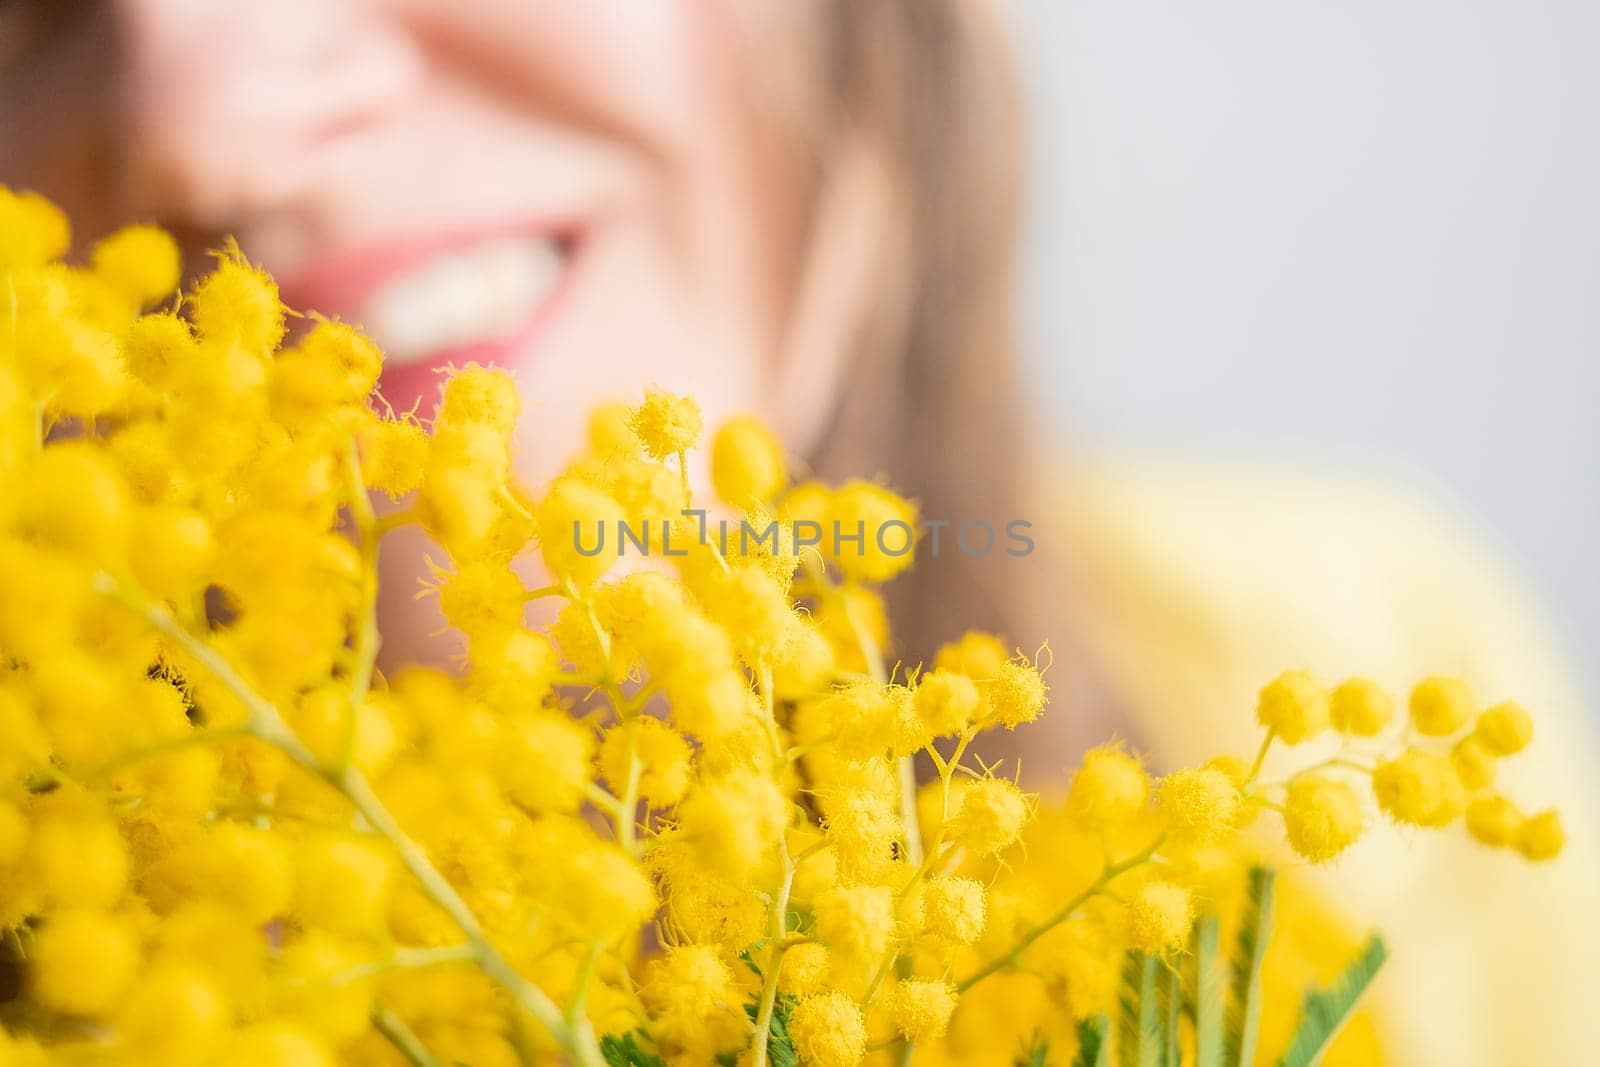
(679,824)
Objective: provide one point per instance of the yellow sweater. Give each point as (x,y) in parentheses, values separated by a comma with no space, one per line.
(1194,584)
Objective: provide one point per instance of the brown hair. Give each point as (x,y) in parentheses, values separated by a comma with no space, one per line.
(933,401)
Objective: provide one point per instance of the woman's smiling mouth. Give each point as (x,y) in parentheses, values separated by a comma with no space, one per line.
(476,297)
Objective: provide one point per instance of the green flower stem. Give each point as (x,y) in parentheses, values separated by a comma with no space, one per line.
(937,852)
(769,707)
(880,974)
(580,992)
(601,799)
(403,959)
(364,651)
(1261,756)
(1346,762)
(1035,933)
(779,918)
(402,1037)
(577,1038)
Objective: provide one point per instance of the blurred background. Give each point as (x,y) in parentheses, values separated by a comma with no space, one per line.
(1326,269)
(1359,234)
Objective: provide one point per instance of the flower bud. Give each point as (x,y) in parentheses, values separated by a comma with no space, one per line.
(1293,707)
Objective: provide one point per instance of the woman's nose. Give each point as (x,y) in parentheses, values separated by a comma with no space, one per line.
(228,103)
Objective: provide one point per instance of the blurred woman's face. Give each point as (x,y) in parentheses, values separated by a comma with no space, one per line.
(589,193)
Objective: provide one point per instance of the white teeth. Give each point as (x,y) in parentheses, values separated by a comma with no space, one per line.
(485,293)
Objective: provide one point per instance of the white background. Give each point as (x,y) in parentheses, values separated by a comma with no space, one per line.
(1363,232)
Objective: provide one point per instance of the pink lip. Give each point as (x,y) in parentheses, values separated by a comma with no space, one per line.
(341,282)
(415,386)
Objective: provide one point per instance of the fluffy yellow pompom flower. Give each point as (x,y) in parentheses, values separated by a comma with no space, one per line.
(72,499)
(141,262)
(666,424)
(844,616)
(734,821)
(1474,762)
(247,869)
(477,395)
(753,608)
(1322,817)
(174,1015)
(1360,707)
(953,909)
(608,432)
(599,890)
(73,367)
(160,350)
(991,815)
(35,230)
(342,884)
(1493,820)
(457,503)
(1087,961)
(690,980)
(545,762)
(275,1044)
(1293,707)
(709,699)
(862,825)
(1419,787)
(1440,706)
(804,969)
(338,358)
(82,961)
(870,531)
(856,920)
(922,1008)
(77,860)
(1201,804)
(945,701)
(171,550)
(1541,837)
(239,304)
(1109,789)
(746,462)
(864,716)
(1159,915)
(1016,694)
(575,522)
(806,502)
(663,757)
(828,1030)
(512,668)
(334,1011)
(1505,729)
(480,597)
(975,654)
